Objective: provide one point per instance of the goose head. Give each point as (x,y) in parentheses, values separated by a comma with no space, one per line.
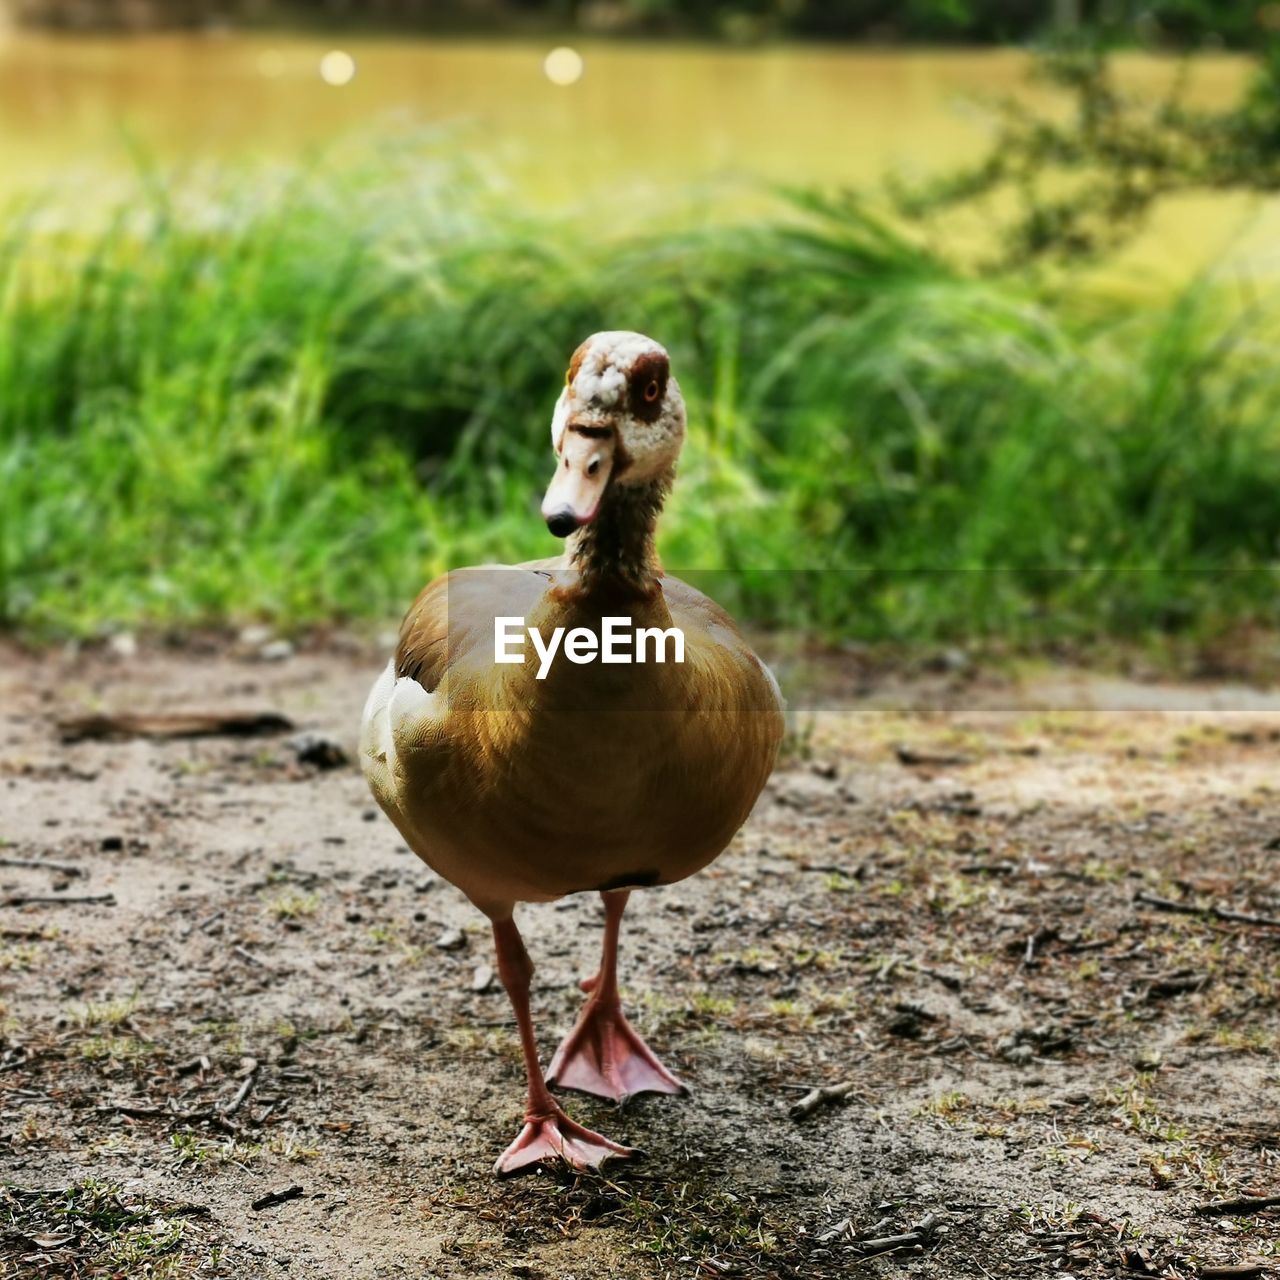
(619,422)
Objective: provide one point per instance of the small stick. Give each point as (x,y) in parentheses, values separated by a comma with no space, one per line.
(1244,1204)
(889,1244)
(819,1097)
(835,1232)
(1046,933)
(1234,1271)
(920,1234)
(188,724)
(106,899)
(251,958)
(1218,913)
(928,759)
(138,1112)
(135,1112)
(1176,984)
(34,864)
(274,1198)
(242,1093)
(948,980)
(1094,944)
(869,1233)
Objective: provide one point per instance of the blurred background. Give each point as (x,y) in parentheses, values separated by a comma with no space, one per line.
(973,301)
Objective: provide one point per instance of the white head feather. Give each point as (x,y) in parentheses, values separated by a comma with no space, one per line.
(609,377)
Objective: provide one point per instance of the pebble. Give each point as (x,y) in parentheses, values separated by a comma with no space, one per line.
(276,651)
(451,940)
(318,749)
(123,645)
(482,978)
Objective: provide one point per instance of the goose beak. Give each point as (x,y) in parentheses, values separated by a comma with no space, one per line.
(574,494)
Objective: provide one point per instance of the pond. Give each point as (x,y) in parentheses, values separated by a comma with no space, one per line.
(639,132)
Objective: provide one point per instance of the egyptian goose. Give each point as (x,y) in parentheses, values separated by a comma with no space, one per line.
(520,780)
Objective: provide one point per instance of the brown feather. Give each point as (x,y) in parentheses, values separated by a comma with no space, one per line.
(519,789)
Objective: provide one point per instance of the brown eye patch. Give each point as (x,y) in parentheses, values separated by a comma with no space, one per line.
(647,385)
(575,362)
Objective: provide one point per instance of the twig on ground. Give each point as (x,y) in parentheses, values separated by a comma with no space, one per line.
(139,1111)
(1091,944)
(921,1234)
(914,757)
(243,1092)
(250,958)
(35,864)
(948,980)
(188,724)
(1217,913)
(1242,1204)
(820,1097)
(875,1229)
(1045,933)
(136,1111)
(52,900)
(1176,984)
(273,1198)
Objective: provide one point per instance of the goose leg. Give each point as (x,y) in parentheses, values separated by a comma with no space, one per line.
(604,1054)
(548,1133)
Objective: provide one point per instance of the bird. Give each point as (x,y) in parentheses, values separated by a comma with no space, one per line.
(523,781)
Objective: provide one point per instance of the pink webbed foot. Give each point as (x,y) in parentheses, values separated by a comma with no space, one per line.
(553,1136)
(605,1056)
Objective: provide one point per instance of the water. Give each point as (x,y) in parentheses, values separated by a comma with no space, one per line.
(647,132)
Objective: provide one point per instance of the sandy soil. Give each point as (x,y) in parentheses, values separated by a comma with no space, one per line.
(935,903)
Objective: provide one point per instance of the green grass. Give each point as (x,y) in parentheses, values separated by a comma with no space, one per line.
(297,398)
(88,1230)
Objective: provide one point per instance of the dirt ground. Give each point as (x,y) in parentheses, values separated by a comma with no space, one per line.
(937,903)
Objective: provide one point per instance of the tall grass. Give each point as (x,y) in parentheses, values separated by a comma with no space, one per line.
(297,399)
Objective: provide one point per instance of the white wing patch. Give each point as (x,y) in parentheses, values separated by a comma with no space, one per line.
(397,715)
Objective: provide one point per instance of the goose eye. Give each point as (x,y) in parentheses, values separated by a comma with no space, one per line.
(594,466)
(652,391)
